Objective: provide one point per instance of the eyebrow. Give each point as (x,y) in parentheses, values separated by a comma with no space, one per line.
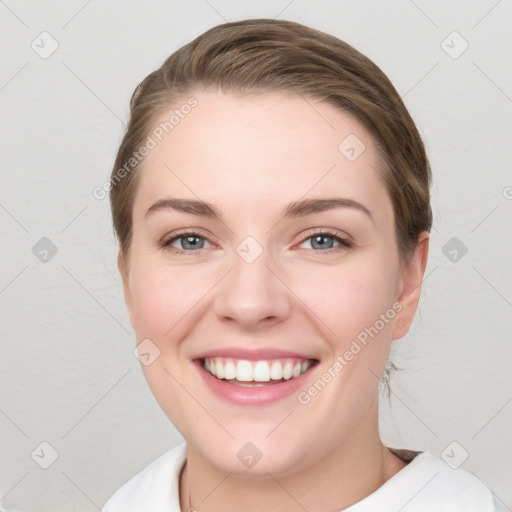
(310,206)
(295,209)
(199,208)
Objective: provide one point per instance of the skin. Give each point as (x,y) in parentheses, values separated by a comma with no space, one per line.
(251,157)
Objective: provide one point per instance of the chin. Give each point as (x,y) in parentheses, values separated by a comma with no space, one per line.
(254,455)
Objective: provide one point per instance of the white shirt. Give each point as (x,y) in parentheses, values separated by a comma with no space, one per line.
(426,484)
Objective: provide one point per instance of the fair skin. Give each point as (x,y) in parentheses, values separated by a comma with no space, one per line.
(250,157)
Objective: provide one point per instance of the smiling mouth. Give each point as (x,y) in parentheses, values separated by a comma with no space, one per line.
(241,372)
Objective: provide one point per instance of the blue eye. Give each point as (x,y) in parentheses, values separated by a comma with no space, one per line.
(326,242)
(188,242)
(322,242)
(191,242)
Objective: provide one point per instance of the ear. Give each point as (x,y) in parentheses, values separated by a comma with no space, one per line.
(123,270)
(412,277)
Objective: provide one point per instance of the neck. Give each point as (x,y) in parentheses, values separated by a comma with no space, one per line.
(355,468)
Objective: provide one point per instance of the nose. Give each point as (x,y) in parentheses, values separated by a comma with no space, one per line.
(252,295)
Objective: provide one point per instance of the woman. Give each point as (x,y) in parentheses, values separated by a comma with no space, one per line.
(271,199)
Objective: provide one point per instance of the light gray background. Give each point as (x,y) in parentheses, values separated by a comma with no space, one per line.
(68,375)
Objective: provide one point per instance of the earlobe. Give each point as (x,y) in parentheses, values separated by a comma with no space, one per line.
(123,270)
(412,277)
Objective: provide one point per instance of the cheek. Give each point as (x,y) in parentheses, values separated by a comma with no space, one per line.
(165,295)
(159,300)
(162,299)
(350,298)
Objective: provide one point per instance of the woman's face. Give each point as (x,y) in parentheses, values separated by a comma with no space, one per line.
(287,284)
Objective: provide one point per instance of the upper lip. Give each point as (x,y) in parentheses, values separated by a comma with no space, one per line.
(253,354)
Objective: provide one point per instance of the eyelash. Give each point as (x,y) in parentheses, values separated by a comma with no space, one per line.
(166,244)
(345,243)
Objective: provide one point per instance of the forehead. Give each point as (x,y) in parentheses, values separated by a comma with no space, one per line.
(260,151)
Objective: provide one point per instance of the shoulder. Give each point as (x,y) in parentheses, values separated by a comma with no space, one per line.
(154,488)
(428,483)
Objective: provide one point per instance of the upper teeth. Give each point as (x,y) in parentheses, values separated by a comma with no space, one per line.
(258,371)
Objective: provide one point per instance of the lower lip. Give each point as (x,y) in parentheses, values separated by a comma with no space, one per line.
(257,395)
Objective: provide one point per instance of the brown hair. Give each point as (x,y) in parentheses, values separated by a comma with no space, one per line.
(262,55)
